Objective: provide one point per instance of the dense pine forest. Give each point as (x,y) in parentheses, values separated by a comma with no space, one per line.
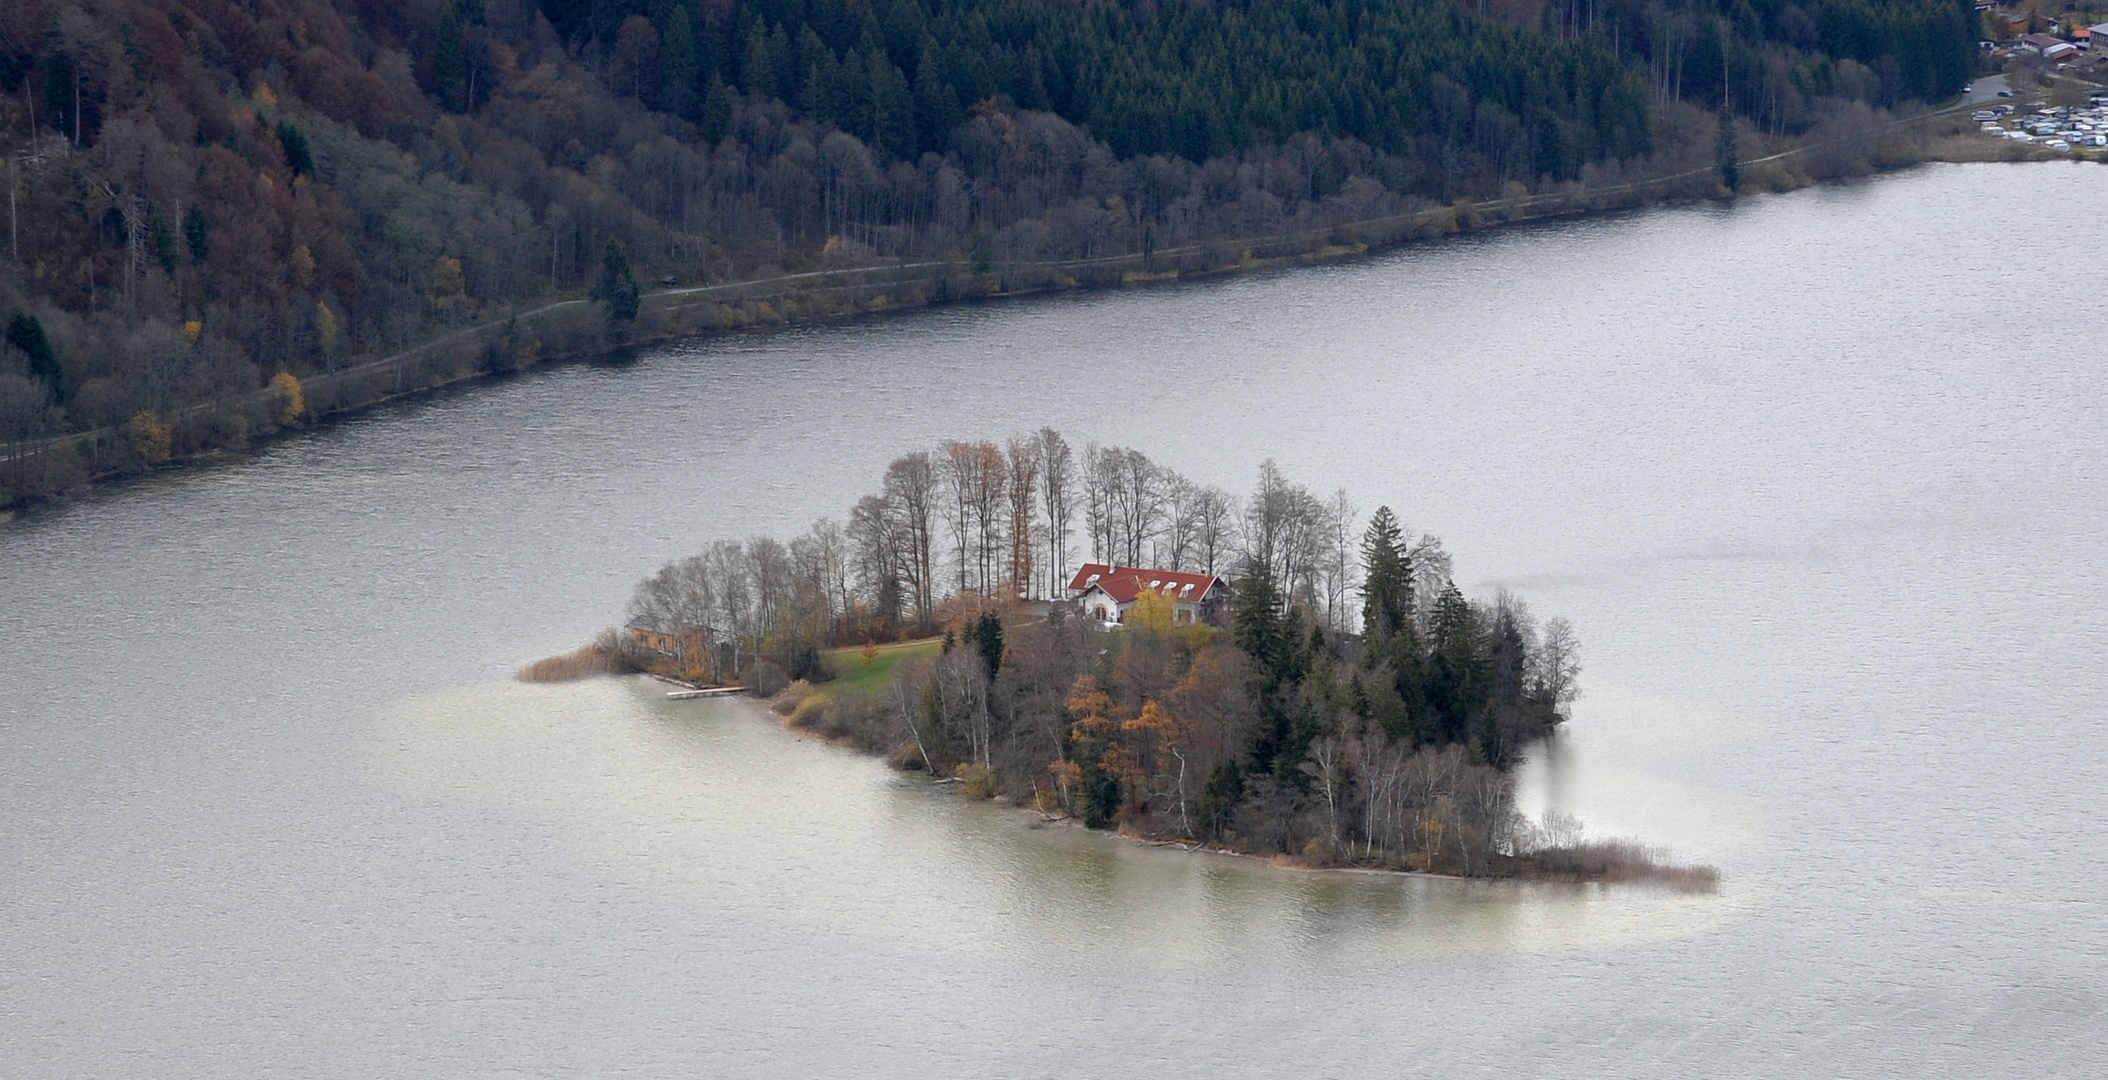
(211,197)
(1346,704)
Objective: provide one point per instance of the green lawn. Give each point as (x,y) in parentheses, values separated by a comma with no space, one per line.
(853,675)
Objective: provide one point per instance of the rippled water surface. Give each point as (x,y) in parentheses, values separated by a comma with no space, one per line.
(1819,478)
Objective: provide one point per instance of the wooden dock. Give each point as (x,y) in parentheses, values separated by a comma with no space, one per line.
(707,691)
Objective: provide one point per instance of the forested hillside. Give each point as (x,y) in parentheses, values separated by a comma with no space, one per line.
(207,194)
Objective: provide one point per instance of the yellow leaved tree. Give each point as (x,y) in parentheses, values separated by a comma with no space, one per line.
(449,285)
(291,401)
(1152,612)
(150,436)
(325,326)
(1156,612)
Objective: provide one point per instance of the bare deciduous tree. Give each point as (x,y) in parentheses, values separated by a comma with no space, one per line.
(1057,468)
(911,486)
(1338,562)
(1556,665)
(1215,530)
(878,531)
(1022,484)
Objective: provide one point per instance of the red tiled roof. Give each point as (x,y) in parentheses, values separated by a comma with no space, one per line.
(1124,583)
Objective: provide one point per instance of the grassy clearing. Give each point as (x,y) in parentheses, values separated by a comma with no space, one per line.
(853,675)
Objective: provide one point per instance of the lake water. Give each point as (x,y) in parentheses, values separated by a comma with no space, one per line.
(1819,478)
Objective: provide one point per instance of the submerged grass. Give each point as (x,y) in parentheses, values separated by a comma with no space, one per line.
(1619,860)
(582,663)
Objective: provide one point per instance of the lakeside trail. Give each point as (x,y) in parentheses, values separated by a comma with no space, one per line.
(569,329)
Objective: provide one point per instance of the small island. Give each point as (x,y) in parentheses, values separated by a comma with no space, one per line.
(1270,676)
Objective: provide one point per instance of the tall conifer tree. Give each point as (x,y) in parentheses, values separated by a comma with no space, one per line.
(1727,157)
(1387,583)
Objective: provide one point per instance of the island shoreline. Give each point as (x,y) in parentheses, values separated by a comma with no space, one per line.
(1676,877)
(1644,868)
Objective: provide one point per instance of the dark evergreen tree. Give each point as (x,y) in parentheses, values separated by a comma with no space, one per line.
(296,153)
(892,108)
(1387,580)
(757,71)
(823,95)
(1407,661)
(987,636)
(1256,621)
(1458,679)
(450,61)
(1101,799)
(1505,715)
(937,109)
(197,233)
(1219,797)
(164,242)
(717,110)
(1726,157)
(26,334)
(679,66)
(617,287)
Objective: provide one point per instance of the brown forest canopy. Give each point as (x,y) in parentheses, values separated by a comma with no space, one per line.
(204,193)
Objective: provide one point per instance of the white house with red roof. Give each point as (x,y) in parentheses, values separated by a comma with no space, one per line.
(1107,593)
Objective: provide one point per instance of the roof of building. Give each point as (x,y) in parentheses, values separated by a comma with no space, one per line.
(1124,583)
(2043,41)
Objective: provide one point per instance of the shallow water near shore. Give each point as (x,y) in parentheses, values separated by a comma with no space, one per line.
(1819,478)
(717,803)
